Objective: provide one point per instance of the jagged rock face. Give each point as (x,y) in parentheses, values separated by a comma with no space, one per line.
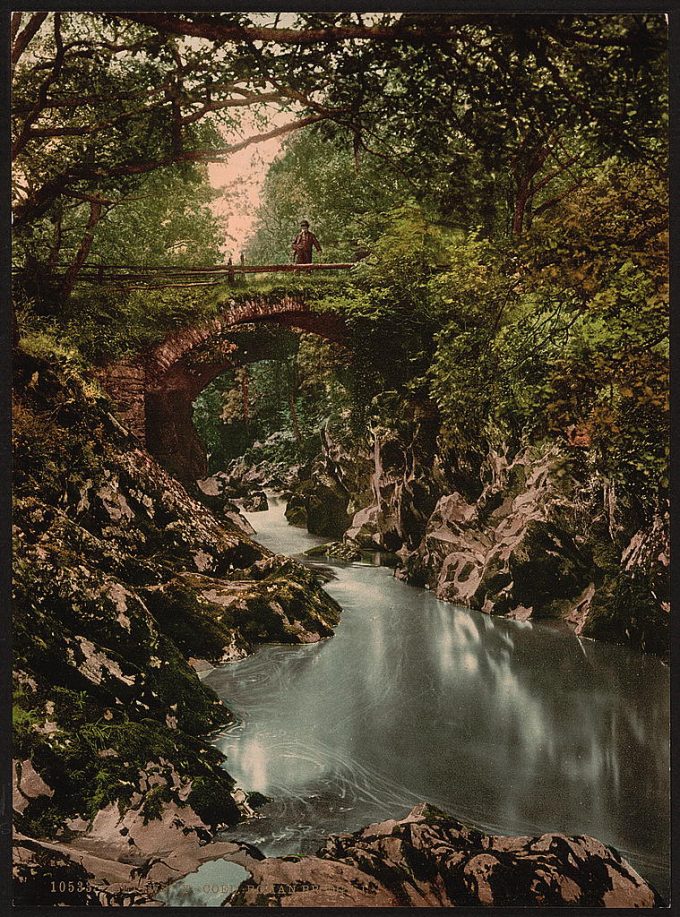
(405,485)
(210,493)
(124,585)
(332,486)
(430,860)
(242,477)
(255,502)
(379,494)
(536,544)
(634,601)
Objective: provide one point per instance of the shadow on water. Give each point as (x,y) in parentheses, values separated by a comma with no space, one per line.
(519,728)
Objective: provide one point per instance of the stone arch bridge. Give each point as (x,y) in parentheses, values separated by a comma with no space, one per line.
(153,395)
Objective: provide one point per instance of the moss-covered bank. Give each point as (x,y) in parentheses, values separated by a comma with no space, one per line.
(124,585)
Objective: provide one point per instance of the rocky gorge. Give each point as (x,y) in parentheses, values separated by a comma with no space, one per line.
(535,533)
(129,585)
(125,586)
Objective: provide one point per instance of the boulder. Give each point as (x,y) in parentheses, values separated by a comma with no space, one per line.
(341,550)
(331,486)
(429,859)
(319,504)
(255,502)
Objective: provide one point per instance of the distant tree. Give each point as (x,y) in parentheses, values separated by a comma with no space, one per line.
(316,177)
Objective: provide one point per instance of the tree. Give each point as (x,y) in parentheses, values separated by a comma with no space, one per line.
(99,104)
(517,96)
(316,177)
(509,95)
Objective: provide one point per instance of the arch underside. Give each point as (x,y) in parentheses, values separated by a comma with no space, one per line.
(172,386)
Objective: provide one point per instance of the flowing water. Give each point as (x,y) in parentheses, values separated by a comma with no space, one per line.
(519,728)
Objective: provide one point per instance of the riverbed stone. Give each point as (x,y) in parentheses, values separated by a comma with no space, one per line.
(429,859)
(123,581)
(319,504)
(255,502)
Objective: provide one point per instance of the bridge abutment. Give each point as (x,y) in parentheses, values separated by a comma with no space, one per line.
(154,394)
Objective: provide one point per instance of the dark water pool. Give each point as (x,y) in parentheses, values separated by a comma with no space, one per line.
(518,728)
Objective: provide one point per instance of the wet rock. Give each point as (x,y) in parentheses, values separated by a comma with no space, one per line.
(625,610)
(538,542)
(338,549)
(251,472)
(332,486)
(53,874)
(255,502)
(209,492)
(509,552)
(632,604)
(278,602)
(124,582)
(296,510)
(429,859)
(405,483)
(319,504)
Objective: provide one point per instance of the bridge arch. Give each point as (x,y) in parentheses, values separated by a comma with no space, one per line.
(155,393)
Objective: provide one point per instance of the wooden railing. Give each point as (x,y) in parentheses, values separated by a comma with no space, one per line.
(164,276)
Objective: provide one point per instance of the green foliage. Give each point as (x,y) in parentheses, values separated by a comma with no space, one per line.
(317,177)
(106,326)
(388,308)
(169,221)
(211,801)
(25,718)
(625,611)
(290,372)
(564,330)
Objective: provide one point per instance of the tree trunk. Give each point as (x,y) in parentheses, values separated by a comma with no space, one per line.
(56,243)
(294,416)
(245,396)
(521,199)
(84,250)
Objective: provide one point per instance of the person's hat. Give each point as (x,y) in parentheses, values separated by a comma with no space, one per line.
(304,223)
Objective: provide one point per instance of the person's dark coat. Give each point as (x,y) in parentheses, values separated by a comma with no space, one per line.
(303,243)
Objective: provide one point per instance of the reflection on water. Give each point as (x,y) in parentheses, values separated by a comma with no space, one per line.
(519,728)
(207,887)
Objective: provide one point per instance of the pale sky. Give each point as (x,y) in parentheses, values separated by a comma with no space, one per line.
(240,180)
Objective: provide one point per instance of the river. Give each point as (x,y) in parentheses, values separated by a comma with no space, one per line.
(519,728)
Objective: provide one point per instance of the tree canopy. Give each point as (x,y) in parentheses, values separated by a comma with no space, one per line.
(504,174)
(101,99)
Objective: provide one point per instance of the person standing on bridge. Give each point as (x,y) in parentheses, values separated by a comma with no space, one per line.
(303,243)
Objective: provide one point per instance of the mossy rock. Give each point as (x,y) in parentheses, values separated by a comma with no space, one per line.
(320,503)
(211,799)
(338,549)
(624,610)
(196,627)
(547,565)
(296,511)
